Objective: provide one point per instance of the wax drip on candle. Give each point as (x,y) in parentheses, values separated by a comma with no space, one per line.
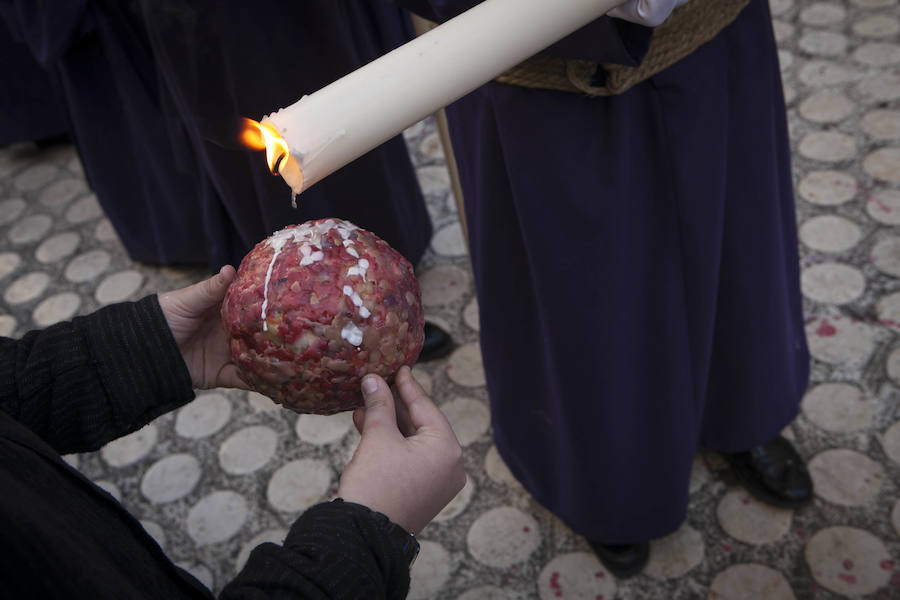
(291,167)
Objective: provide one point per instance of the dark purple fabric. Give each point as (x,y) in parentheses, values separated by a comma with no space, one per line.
(636,267)
(115,107)
(29,106)
(49,27)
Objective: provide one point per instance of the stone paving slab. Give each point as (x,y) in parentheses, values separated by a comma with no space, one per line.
(232,470)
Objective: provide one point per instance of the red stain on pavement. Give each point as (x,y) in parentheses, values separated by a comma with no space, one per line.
(848,564)
(826,329)
(880,204)
(554,583)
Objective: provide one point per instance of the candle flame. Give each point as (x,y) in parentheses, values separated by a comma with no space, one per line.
(260,136)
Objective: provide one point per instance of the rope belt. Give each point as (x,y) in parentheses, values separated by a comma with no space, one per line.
(687,28)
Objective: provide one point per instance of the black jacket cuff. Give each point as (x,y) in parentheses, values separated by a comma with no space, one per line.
(139,363)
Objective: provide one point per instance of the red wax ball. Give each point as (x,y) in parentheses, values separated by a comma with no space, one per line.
(317,306)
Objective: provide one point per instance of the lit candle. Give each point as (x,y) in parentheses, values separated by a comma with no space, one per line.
(326,130)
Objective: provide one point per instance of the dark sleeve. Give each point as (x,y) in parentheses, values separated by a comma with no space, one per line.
(605,40)
(335,550)
(85,382)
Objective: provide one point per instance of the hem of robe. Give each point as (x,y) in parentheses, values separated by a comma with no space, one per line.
(661,527)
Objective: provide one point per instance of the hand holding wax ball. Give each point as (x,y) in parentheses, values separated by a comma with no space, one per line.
(317,306)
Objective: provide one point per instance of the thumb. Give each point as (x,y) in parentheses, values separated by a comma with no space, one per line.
(380,414)
(209,292)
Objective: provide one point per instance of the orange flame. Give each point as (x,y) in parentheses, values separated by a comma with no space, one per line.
(262,135)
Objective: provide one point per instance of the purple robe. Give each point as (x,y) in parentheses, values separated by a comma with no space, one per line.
(636,267)
(29,106)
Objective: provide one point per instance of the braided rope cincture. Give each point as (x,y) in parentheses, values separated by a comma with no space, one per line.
(689,27)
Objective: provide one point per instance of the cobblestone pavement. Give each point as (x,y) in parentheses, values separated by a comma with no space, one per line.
(231,469)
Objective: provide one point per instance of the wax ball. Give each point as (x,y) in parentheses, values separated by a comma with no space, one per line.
(317,306)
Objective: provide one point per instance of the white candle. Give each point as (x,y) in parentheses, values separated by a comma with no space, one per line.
(340,122)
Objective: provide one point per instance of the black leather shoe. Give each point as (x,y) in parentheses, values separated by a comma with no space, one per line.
(622,560)
(437,344)
(773,473)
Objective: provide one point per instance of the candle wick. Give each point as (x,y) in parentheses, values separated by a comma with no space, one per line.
(278,163)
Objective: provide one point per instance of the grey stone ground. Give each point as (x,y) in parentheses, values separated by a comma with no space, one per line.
(231,469)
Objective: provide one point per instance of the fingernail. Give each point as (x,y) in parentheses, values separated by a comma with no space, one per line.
(369,384)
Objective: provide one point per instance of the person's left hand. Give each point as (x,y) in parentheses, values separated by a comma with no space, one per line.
(193,316)
(408,464)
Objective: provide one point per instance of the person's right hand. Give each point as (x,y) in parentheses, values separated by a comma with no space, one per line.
(408,470)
